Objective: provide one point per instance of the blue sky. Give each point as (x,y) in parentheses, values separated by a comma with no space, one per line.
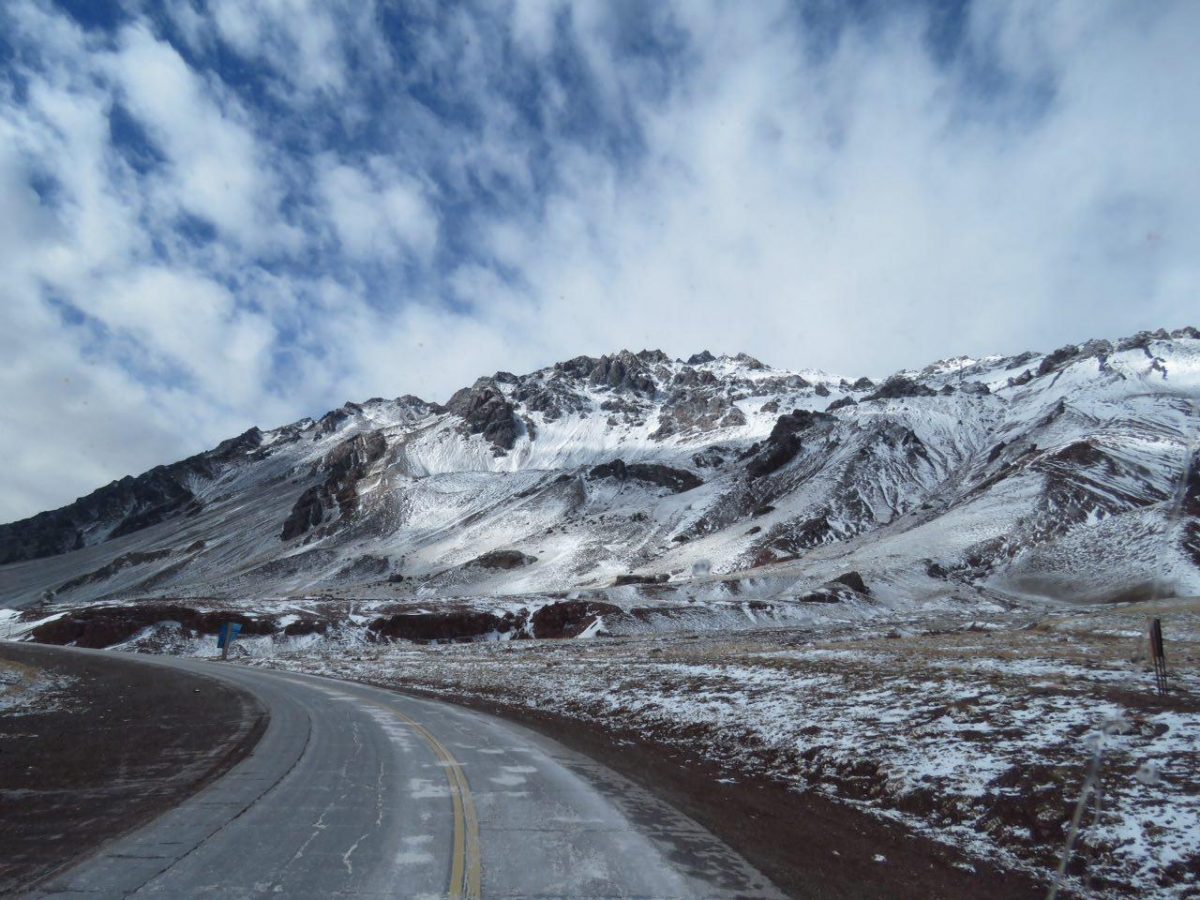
(229,213)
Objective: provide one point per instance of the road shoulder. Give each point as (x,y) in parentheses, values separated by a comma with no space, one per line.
(112,745)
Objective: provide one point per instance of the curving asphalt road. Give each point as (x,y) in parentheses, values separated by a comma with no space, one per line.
(356,791)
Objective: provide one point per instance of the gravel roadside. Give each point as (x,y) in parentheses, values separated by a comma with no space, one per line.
(111,745)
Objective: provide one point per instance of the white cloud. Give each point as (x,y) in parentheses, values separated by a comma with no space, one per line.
(302,42)
(379,213)
(533,24)
(862,208)
(855,221)
(217,168)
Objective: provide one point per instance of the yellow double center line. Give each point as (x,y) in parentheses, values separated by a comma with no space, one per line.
(465,866)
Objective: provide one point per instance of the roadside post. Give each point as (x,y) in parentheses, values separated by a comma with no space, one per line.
(226,636)
(1158,656)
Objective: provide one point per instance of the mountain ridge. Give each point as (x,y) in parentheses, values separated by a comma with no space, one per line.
(718,459)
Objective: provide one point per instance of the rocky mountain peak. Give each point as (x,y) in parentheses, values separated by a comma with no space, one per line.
(486,410)
(574,466)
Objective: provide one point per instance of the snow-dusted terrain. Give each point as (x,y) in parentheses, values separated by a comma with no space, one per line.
(976,731)
(923,595)
(1059,475)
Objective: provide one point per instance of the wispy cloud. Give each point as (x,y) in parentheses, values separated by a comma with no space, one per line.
(221,213)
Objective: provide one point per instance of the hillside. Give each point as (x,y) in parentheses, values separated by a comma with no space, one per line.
(1060,475)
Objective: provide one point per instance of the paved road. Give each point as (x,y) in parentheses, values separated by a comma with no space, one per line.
(360,792)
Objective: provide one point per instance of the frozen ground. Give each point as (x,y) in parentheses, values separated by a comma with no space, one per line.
(25,688)
(975,731)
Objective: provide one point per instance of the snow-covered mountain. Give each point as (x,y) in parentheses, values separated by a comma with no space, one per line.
(1069,475)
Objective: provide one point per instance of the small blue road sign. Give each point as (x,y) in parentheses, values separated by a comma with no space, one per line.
(228,634)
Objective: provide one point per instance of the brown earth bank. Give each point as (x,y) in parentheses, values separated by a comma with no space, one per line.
(810,846)
(114,745)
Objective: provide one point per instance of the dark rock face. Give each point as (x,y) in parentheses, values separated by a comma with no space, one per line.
(1056,360)
(1098,347)
(836,591)
(709,458)
(1191,496)
(1142,340)
(569,618)
(97,627)
(675,480)
(862,384)
(485,410)
(306,514)
(1022,379)
(783,444)
(503,559)
(898,386)
(331,421)
(553,398)
(691,410)
(854,581)
(627,371)
(1187,331)
(305,626)
(344,466)
(841,404)
(699,359)
(821,595)
(623,372)
(127,505)
(623,580)
(795,422)
(451,625)
(774,456)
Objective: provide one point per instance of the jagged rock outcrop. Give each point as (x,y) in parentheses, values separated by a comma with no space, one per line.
(503,560)
(343,467)
(692,409)
(675,480)
(784,442)
(899,386)
(1052,362)
(854,581)
(485,410)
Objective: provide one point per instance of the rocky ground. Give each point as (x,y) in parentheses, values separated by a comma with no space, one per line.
(977,732)
(90,748)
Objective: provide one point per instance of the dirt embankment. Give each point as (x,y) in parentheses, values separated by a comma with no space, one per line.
(107,625)
(115,745)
